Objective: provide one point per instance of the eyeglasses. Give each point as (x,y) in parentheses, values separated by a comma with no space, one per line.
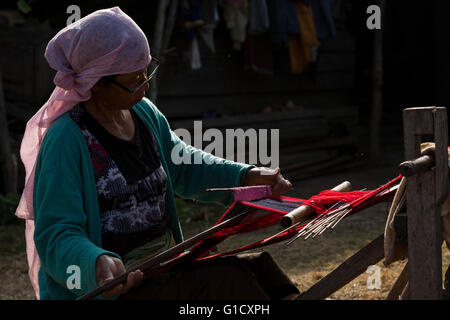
(148,77)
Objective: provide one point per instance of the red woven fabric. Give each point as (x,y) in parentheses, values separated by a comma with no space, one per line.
(321,204)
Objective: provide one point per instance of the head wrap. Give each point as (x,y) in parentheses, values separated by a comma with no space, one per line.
(103,43)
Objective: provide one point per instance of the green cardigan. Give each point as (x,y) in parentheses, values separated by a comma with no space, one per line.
(66,211)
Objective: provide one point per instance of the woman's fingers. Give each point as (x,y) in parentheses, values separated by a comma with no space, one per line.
(268,176)
(134,279)
(109,268)
(281,186)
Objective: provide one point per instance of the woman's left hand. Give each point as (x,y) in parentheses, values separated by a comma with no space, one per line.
(267,176)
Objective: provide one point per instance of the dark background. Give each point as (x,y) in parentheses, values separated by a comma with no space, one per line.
(338,87)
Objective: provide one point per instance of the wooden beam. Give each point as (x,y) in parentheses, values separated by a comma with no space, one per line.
(156,44)
(169,25)
(350,269)
(377,90)
(6,166)
(425,192)
(399,285)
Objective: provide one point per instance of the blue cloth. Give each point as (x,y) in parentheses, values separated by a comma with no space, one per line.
(323,18)
(283,21)
(258,17)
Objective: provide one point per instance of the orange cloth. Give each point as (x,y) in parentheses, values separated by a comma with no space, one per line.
(300,46)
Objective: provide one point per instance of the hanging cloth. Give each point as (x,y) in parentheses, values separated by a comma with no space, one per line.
(323,18)
(258,17)
(301,45)
(258,55)
(236,18)
(283,21)
(393,249)
(196,61)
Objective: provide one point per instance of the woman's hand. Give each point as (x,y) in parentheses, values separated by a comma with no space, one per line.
(108,268)
(267,176)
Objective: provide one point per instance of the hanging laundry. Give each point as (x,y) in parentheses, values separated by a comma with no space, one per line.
(211,18)
(195,58)
(302,46)
(192,16)
(200,19)
(258,55)
(209,10)
(235,14)
(283,20)
(258,17)
(323,18)
(206,33)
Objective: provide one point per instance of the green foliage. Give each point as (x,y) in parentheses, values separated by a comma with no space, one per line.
(8,205)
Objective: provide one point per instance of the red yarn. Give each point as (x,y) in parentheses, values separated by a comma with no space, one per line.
(325,199)
(321,204)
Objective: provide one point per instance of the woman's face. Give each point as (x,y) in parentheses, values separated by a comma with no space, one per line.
(110,93)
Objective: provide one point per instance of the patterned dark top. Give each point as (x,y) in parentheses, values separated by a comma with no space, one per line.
(131,183)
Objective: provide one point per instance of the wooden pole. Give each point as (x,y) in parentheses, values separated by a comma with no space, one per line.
(377,89)
(347,271)
(425,192)
(419,165)
(304,212)
(156,44)
(170,24)
(6,166)
(165,257)
(399,285)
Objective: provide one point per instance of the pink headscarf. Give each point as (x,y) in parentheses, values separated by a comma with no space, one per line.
(105,42)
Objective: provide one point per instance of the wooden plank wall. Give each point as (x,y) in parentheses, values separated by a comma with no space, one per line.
(27,78)
(224,86)
(236,98)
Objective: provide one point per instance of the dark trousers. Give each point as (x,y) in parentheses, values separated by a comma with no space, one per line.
(254,276)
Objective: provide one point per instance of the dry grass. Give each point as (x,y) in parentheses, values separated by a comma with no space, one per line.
(14,281)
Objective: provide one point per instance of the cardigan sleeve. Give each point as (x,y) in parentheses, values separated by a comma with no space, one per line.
(61,236)
(199,170)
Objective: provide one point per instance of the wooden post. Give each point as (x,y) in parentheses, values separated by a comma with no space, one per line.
(156,44)
(169,25)
(371,254)
(377,89)
(399,285)
(6,168)
(425,192)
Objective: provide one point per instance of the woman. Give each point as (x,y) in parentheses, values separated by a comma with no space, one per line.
(100,183)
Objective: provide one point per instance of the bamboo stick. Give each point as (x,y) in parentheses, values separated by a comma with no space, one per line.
(305,211)
(164,257)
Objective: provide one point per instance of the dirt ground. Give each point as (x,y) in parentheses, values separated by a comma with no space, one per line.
(305,262)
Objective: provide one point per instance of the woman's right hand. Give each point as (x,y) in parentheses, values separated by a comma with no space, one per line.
(108,268)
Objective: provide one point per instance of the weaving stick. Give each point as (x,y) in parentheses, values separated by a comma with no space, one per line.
(412,167)
(163,257)
(303,212)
